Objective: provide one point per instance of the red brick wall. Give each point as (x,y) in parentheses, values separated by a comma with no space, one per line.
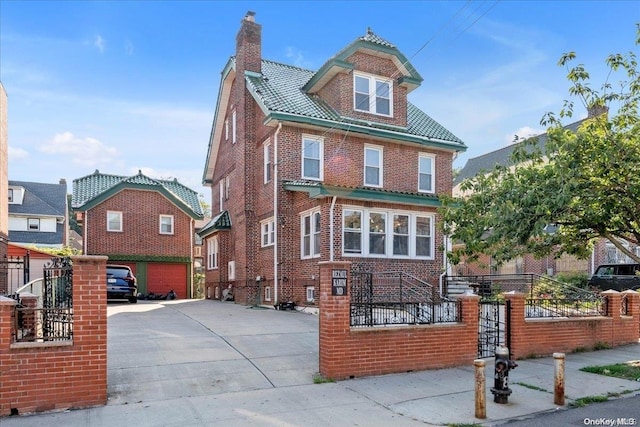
(140,234)
(39,377)
(347,353)
(537,337)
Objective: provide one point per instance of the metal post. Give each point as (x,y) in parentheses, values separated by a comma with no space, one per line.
(558,379)
(481,389)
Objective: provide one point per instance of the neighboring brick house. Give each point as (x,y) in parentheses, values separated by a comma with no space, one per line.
(310,166)
(142,222)
(604,252)
(38,214)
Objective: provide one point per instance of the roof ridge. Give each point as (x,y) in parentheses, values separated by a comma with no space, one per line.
(288,65)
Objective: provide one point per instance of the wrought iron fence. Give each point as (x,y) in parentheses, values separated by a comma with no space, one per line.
(390,298)
(14,272)
(48,316)
(624,305)
(593,306)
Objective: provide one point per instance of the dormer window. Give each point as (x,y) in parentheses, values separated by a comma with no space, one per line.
(372,94)
(11,195)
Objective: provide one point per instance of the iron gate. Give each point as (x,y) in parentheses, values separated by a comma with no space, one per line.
(493,326)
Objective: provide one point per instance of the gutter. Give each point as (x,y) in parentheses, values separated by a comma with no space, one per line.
(276,222)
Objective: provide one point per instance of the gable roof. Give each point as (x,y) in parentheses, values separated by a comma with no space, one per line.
(40,199)
(93,189)
(374,45)
(502,156)
(222,221)
(278,92)
(285,93)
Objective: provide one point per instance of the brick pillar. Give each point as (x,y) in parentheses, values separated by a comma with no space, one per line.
(6,327)
(614,299)
(334,319)
(516,322)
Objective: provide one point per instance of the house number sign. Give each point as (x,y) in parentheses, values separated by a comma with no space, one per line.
(339,282)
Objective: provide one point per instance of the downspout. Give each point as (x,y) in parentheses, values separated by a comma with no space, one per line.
(445,262)
(191,270)
(331,231)
(276,224)
(85,227)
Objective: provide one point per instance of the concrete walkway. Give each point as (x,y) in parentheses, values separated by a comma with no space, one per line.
(207,363)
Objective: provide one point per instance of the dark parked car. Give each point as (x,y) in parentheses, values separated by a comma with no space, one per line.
(618,277)
(121,283)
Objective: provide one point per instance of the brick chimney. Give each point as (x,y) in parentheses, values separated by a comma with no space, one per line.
(249,44)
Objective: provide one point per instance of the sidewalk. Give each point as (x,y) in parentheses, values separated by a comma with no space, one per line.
(226,365)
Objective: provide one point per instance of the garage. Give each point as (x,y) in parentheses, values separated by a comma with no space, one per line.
(162,278)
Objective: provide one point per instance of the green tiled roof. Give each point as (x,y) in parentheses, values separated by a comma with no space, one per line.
(278,90)
(222,221)
(92,189)
(317,189)
(373,38)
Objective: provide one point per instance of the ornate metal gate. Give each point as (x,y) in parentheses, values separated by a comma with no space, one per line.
(493,326)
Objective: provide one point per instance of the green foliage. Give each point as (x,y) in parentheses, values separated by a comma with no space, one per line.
(584,183)
(65,251)
(628,371)
(577,279)
(584,401)
(320,379)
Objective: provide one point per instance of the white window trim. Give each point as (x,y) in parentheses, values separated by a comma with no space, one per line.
(226,129)
(320,140)
(10,195)
(213,250)
(433,172)
(372,94)
(314,234)
(119,214)
(389,234)
(233,126)
(310,292)
(380,150)
(269,232)
(266,153)
(160,223)
(267,293)
(35,222)
(227,186)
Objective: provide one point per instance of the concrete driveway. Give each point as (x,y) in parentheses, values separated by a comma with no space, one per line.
(162,350)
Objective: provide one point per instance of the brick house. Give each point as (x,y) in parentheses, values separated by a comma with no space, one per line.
(603,253)
(310,166)
(147,224)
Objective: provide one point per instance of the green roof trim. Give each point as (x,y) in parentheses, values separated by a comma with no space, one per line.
(333,66)
(369,41)
(91,190)
(222,221)
(149,258)
(317,190)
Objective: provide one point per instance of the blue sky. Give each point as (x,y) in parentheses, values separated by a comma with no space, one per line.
(122,86)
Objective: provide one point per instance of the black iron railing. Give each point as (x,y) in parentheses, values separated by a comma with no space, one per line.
(572,307)
(393,298)
(49,315)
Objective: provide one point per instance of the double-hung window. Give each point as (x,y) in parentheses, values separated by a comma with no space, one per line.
(312,157)
(425,174)
(387,234)
(166,224)
(373,166)
(372,94)
(213,249)
(114,221)
(33,224)
(310,235)
(352,237)
(267,162)
(268,233)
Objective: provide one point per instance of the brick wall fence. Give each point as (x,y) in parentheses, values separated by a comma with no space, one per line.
(59,375)
(536,337)
(347,352)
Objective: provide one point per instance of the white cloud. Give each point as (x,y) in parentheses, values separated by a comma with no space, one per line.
(297,58)
(99,42)
(128,48)
(87,152)
(17,153)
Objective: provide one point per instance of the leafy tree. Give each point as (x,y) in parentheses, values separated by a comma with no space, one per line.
(561,197)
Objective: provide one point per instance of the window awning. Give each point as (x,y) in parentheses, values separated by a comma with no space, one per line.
(318,190)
